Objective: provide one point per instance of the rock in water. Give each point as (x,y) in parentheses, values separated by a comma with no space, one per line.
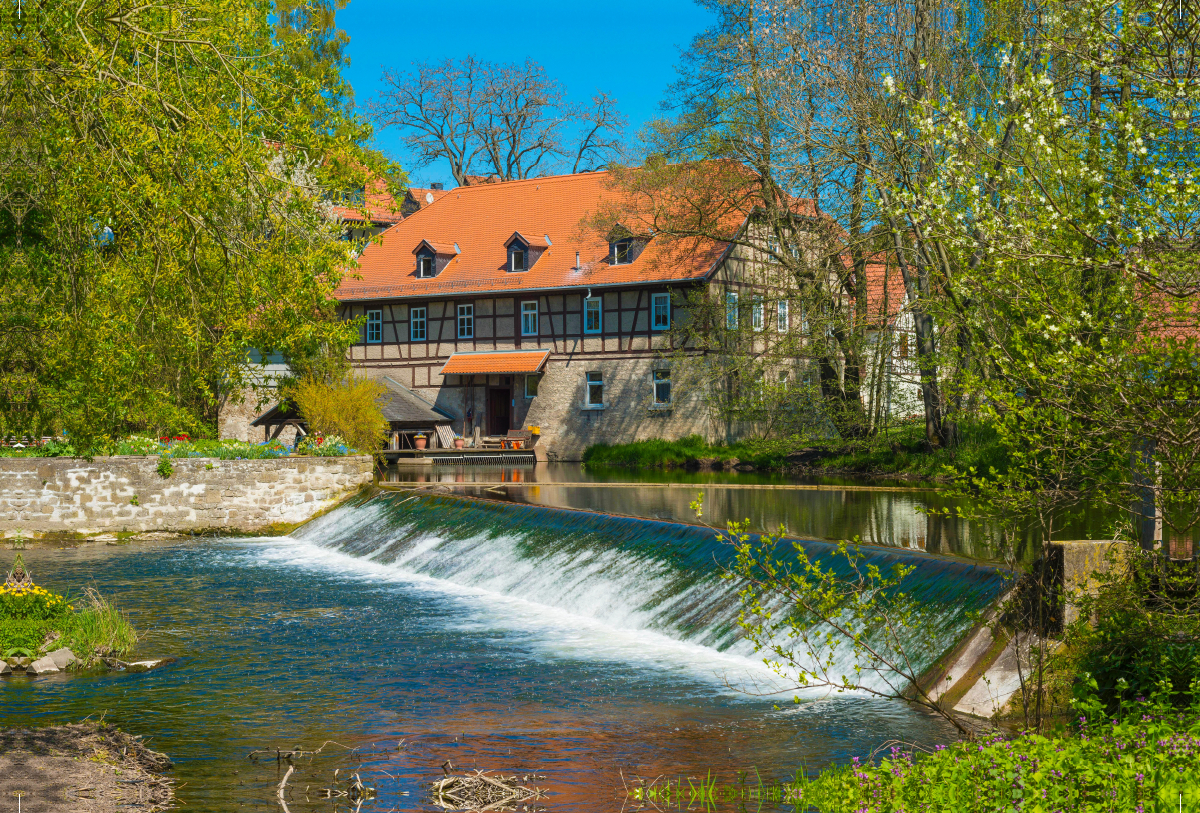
(42,666)
(63,658)
(5,669)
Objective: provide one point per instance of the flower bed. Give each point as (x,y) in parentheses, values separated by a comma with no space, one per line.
(184,446)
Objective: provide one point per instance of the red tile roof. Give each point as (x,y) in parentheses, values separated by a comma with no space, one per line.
(418,198)
(378,206)
(480,219)
(506,363)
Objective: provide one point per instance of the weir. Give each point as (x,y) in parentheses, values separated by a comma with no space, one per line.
(630,573)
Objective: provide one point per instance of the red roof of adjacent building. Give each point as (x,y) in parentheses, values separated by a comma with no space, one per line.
(512,362)
(378,206)
(481,219)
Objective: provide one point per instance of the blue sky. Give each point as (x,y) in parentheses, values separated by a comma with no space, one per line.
(628,48)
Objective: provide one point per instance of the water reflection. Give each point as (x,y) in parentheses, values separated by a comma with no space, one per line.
(877,511)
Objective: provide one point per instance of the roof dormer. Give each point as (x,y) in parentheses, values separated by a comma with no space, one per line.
(432,258)
(524,251)
(624,246)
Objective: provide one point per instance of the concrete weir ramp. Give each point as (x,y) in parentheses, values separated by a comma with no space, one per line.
(662,577)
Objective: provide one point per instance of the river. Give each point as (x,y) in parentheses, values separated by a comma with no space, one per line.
(514,639)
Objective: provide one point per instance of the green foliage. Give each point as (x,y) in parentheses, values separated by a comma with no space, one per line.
(1139,635)
(94,630)
(1145,761)
(347,408)
(902,450)
(172,209)
(24,635)
(164,467)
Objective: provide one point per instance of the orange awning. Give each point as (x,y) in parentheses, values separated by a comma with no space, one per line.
(506,363)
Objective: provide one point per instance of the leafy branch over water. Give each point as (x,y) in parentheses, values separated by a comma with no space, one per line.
(814,620)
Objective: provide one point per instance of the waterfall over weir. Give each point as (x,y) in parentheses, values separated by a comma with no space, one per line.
(632,574)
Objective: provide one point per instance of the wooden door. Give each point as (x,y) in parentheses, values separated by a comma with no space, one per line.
(499,410)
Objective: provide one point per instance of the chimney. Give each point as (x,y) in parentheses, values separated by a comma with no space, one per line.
(437,186)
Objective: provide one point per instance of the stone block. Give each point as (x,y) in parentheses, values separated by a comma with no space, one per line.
(63,658)
(42,666)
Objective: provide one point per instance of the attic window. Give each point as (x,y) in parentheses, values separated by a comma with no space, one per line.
(622,252)
(516,257)
(424,266)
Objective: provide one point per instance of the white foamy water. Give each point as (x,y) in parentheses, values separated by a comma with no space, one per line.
(547,630)
(586,587)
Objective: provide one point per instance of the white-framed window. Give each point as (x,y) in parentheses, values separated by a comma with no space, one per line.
(529,318)
(424,266)
(595,389)
(622,252)
(592,322)
(531,385)
(466,321)
(783,379)
(374,327)
(416,324)
(517,259)
(731,310)
(756,313)
(781,316)
(662,387)
(660,311)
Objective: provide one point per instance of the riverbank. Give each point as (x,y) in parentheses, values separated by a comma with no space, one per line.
(84,768)
(902,452)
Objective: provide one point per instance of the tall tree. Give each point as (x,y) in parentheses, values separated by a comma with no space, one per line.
(162,212)
(508,120)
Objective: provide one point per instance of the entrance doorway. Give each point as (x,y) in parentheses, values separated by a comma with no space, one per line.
(499,403)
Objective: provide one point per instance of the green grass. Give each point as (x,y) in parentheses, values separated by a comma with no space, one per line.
(901,451)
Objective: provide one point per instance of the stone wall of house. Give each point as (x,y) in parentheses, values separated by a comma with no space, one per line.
(237,409)
(116,494)
(568,426)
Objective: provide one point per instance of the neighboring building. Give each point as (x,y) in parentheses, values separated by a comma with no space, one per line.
(499,304)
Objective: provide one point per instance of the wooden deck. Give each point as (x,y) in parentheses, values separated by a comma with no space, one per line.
(464,457)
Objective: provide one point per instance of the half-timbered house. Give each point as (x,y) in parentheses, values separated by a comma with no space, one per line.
(502,306)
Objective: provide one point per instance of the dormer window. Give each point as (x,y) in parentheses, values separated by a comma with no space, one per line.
(524,250)
(433,258)
(622,252)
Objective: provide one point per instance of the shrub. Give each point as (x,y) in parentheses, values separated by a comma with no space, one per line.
(348,409)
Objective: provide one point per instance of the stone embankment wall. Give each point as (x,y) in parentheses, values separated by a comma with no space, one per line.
(116,494)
